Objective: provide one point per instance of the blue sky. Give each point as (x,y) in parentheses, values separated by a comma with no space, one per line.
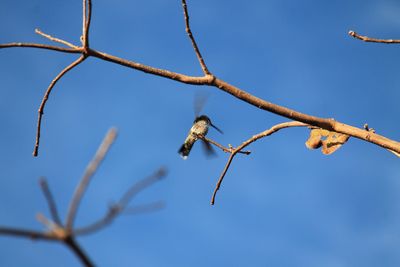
(283,205)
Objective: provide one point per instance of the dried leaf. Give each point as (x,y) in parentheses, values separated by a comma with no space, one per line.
(314,141)
(330,141)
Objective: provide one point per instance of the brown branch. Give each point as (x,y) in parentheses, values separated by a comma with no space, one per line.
(41,46)
(90,170)
(254,138)
(324,123)
(373,40)
(121,206)
(50,201)
(191,37)
(46,97)
(328,124)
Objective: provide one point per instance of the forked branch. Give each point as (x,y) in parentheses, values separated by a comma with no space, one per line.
(55,231)
(89,172)
(254,138)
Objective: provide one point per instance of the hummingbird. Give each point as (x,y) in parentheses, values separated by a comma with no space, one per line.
(200,127)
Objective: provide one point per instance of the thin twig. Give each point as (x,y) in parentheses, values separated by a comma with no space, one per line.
(373,40)
(46,97)
(254,138)
(191,37)
(41,46)
(90,170)
(50,201)
(54,39)
(115,209)
(225,149)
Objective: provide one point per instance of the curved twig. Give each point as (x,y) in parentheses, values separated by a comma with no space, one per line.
(254,138)
(46,97)
(191,37)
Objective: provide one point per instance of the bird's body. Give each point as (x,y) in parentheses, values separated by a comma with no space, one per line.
(199,128)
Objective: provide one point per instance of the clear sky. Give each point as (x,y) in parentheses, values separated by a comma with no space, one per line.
(283,205)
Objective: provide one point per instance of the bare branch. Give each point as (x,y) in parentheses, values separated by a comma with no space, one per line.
(41,46)
(50,200)
(54,39)
(373,40)
(254,138)
(119,207)
(191,37)
(27,234)
(324,123)
(46,97)
(225,149)
(90,170)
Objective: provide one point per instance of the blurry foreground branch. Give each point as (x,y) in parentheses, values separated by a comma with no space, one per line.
(65,233)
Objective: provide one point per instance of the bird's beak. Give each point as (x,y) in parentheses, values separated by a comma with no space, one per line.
(216,128)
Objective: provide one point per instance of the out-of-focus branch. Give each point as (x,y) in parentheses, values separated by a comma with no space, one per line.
(31,234)
(373,40)
(55,231)
(254,138)
(50,200)
(121,205)
(79,252)
(90,170)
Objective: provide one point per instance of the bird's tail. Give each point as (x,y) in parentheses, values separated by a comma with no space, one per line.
(185,150)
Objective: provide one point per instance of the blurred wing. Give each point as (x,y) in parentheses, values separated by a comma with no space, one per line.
(208,149)
(200,99)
